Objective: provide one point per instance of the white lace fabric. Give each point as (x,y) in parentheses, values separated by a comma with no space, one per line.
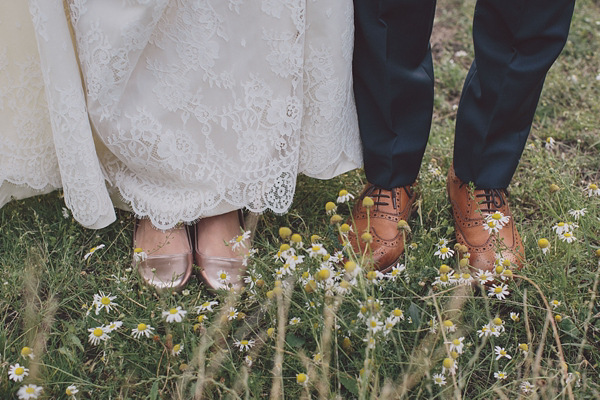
(186,109)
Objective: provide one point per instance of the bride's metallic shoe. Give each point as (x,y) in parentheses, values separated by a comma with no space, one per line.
(221,272)
(165,272)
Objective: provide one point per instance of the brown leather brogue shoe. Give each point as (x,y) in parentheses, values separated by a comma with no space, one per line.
(470,208)
(389,207)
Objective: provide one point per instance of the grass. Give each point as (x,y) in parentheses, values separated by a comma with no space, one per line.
(47,289)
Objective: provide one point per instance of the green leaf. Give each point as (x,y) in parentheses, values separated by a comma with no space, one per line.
(154,391)
(294,341)
(415,314)
(350,385)
(75,340)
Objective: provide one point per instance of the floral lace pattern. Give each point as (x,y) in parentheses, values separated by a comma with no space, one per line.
(197,107)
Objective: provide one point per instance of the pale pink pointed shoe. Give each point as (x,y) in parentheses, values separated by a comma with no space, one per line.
(212,267)
(165,272)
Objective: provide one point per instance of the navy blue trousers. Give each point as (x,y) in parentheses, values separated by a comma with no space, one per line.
(515,41)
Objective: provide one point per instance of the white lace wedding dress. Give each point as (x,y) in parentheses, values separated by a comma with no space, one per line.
(178,109)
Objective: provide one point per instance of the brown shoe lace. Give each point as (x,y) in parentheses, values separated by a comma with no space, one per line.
(377,196)
(494,198)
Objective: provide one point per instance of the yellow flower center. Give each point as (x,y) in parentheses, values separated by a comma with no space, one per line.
(567,234)
(136,250)
(244,343)
(448,363)
(398,312)
(141,327)
(561,224)
(444,278)
(456,342)
(330,206)
(239,238)
(324,274)
(316,248)
(205,304)
(231,313)
(176,348)
(343,192)
(466,276)
(200,318)
(223,276)
(296,238)
(444,250)
(301,378)
(491,224)
(497,216)
(444,269)
(173,311)
(497,321)
(543,243)
(19,371)
(68,392)
(524,346)
(373,324)
(371,275)
(98,332)
(363,310)
(25,351)
(498,290)
(502,352)
(105,300)
(593,186)
(344,284)
(30,390)
(448,323)
(284,247)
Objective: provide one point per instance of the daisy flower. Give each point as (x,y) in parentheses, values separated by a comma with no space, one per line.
(444,252)
(113,326)
(223,277)
(27,352)
(17,372)
(330,208)
(295,321)
(374,325)
(442,243)
(344,196)
(555,304)
(567,237)
(102,300)
(317,249)
(397,315)
(526,387)
(142,330)
(524,347)
(449,326)
(483,277)
(500,375)
(492,227)
(439,379)
(174,314)
(248,361)
(395,272)
(93,250)
(71,391)
(240,241)
(592,190)
(515,316)
(302,378)
(549,143)
(484,331)
(500,352)
(243,344)
(139,255)
(232,313)
(544,244)
(560,227)
(97,335)
(317,357)
(206,306)
(448,365)
(577,213)
(176,350)
(500,291)
(457,344)
(370,341)
(29,392)
(499,218)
